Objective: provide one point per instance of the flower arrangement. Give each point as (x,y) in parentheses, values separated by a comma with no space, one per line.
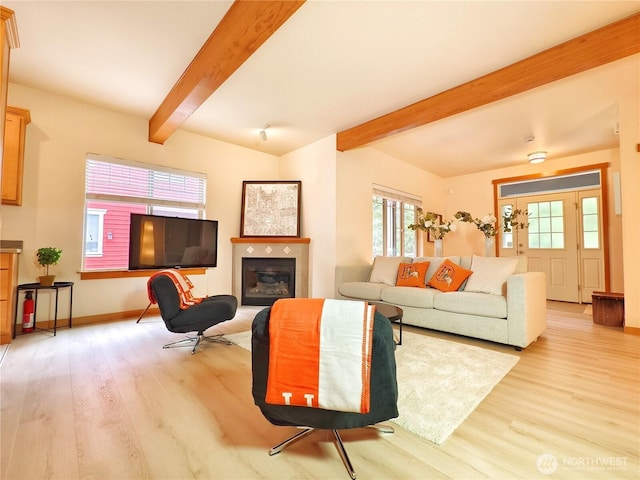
(510,220)
(433,223)
(487,224)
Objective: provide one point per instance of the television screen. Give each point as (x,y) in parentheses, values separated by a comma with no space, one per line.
(170,242)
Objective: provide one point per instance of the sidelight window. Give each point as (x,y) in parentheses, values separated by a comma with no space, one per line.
(590,223)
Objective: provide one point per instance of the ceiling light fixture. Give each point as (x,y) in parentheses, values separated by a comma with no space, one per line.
(263,132)
(537,157)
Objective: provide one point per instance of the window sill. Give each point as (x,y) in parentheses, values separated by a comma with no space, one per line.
(98,275)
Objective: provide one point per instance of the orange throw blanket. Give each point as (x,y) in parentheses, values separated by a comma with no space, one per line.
(183,285)
(320,354)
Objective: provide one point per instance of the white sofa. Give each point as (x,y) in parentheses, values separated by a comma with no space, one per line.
(515,317)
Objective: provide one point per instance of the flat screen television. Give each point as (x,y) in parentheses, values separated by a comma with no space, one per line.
(157,242)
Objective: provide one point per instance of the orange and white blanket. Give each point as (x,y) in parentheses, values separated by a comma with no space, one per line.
(320,354)
(183,286)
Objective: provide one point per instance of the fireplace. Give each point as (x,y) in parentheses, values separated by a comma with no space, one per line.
(264,280)
(265,269)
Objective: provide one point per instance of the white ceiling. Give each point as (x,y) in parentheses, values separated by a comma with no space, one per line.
(334,65)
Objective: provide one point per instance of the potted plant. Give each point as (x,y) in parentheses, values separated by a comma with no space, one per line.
(48,256)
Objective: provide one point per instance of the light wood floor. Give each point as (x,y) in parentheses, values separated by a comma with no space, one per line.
(107,402)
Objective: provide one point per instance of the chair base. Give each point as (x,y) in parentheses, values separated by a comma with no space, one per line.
(338,441)
(195,341)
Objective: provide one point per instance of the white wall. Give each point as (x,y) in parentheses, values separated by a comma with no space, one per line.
(58,138)
(629,111)
(357,171)
(315,166)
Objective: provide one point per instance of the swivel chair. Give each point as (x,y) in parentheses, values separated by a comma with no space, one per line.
(195,316)
(383,389)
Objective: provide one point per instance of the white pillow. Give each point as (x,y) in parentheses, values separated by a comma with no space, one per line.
(385,269)
(490,274)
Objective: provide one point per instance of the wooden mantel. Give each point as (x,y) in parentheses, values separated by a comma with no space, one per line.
(269,240)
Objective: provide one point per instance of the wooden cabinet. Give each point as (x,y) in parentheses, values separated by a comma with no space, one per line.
(8,282)
(8,40)
(13,157)
(608,309)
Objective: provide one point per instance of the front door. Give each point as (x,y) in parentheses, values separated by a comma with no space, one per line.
(549,241)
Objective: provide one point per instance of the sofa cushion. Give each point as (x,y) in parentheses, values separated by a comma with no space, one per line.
(449,276)
(385,269)
(435,262)
(490,274)
(362,290)
(412,275)
(472,303)
(410,296)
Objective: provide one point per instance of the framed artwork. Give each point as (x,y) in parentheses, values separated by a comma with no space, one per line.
(430,237)
(270,209)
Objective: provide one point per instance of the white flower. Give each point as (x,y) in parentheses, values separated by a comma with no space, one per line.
(453,227)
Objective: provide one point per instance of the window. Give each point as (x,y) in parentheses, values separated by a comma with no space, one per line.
(546,224)
(558,183)
(93,231)
(115,188)
(590,223)
(392,213)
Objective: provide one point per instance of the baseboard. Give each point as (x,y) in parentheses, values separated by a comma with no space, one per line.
(632,330)
(89,319)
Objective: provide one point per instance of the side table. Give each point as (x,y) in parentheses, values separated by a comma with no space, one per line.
(393,313)
(36,287)
(608,308)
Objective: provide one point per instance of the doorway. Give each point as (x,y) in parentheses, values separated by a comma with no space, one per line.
(563,238)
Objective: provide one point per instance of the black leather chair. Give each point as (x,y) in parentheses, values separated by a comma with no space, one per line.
(383,390)
(195,318)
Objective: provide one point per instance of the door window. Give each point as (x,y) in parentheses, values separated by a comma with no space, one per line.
(546,224)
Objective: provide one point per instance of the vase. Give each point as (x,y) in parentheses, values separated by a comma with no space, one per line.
(437,247)
(489,246)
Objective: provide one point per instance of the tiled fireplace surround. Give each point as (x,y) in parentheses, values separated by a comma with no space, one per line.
(271,247)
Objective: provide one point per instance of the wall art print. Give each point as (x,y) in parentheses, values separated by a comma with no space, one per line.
(270,209)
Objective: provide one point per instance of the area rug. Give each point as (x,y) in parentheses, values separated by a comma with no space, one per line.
(439,382)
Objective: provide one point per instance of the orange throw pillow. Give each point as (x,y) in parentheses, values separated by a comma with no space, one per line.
(412,274)
(449,277)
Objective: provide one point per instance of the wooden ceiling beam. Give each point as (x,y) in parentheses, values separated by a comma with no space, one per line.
(607,44)
(244,28)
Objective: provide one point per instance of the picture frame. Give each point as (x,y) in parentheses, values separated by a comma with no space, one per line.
(270,208)
(430,237)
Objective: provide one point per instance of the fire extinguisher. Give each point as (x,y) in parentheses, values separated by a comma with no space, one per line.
(27,312)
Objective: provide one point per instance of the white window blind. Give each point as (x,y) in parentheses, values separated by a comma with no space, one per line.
(115,179)
(392,194)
